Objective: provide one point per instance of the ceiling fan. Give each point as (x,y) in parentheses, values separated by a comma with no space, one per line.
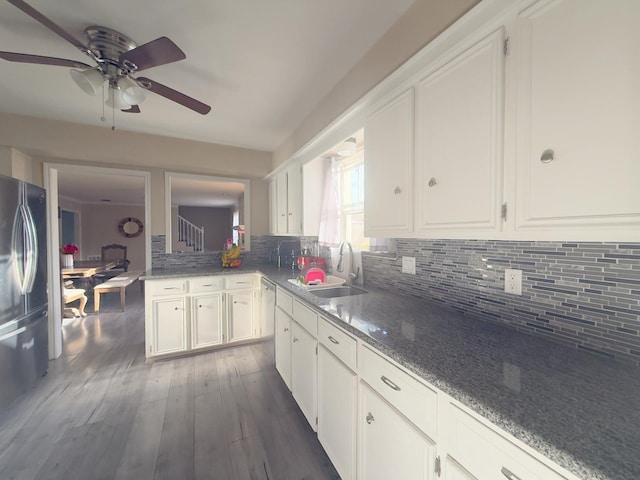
(118,59)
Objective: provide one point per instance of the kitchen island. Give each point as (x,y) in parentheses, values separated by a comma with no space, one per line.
(577,409)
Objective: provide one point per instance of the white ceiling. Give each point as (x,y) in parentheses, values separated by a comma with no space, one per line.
(262,65)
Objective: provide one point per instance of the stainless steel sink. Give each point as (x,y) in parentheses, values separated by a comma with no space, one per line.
(342,291)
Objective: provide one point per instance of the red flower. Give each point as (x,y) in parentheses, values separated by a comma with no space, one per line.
(70,248)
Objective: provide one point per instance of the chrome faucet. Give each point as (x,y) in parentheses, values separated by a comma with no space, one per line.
(278,254)
(340,267)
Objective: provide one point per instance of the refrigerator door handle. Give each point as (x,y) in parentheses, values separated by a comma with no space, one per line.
(32,253)
(24,235)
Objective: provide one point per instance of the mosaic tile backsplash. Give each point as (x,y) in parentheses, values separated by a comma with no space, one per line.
(586,295)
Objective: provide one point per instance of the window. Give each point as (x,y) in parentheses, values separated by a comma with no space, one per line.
(352,200)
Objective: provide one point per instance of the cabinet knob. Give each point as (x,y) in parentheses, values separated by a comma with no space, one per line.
(286,329)
(547,156)
(176,308)
(370,418)
(397,191)
(432,182)
(295,339)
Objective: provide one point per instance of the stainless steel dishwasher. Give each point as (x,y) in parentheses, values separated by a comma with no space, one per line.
(267,307)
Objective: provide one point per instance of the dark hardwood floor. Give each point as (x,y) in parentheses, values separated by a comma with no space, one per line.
(102,413)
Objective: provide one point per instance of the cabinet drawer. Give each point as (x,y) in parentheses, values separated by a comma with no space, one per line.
(166,287)
(284,301)
(337,342)
(241,281)
(413,399)
(306,318)
(206,284)
(478,448)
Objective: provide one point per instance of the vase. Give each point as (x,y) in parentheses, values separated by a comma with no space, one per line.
(67,260)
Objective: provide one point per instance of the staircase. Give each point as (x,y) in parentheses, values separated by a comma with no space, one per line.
(190,236)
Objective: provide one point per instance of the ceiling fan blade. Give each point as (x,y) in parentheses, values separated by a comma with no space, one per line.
(157,52)
(132,109)
(39,59)
(33,13)
(173,95)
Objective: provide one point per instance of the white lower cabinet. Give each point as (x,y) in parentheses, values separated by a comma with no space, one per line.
(240,316)
(389,445)
(304,372)
(189,313)
(475,450)
(169,325)
(207,320)
(282,341)
(337,408)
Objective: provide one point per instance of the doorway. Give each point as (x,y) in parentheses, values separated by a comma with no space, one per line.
(69,188)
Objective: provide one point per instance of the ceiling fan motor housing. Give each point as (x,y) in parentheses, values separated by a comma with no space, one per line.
(107,45)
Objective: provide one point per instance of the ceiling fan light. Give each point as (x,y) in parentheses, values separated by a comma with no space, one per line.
(347,148)
(90,81)
(132,93)
(115,99)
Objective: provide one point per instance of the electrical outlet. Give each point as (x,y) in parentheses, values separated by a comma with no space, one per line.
(409,265)
(513,281)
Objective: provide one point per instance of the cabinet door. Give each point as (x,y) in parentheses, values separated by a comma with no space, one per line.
(337,404)
(304,372)
(273,207)
(294,200)
(474,450)
(579,116)
(388,168)
(267,310)
(389,446)
(283,346)
(240,324)
(458,140)
(207,320)
(281,203)
(169,325)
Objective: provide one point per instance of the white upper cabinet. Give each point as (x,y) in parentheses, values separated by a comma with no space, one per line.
(578,118)
(287,192)
(459,112)
(388,164)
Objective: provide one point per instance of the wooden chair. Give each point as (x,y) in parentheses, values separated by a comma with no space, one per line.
(110,253)
(71,294)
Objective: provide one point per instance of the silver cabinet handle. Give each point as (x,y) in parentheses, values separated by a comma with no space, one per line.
(333,340)
(389,383)
(432,182)
(370,418)
(171,288)
(397,191)
(295,339)
(509,474)
(286,329)
(547,156)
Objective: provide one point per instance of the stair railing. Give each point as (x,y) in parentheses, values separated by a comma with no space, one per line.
(190,234)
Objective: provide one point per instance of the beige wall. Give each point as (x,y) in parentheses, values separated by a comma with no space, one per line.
(61,142)
(100,227)
(420,24)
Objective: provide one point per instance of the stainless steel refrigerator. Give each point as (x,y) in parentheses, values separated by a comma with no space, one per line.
(24,356)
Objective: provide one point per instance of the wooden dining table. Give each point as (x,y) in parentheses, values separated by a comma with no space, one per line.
(87,268)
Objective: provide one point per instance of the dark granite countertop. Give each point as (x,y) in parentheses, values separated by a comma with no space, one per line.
(578,409)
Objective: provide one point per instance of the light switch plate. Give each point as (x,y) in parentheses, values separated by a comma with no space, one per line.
(409,265)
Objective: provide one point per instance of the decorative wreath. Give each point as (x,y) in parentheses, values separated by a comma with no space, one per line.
(128,231)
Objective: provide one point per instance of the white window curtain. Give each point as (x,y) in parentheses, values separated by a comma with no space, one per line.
(330,233)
